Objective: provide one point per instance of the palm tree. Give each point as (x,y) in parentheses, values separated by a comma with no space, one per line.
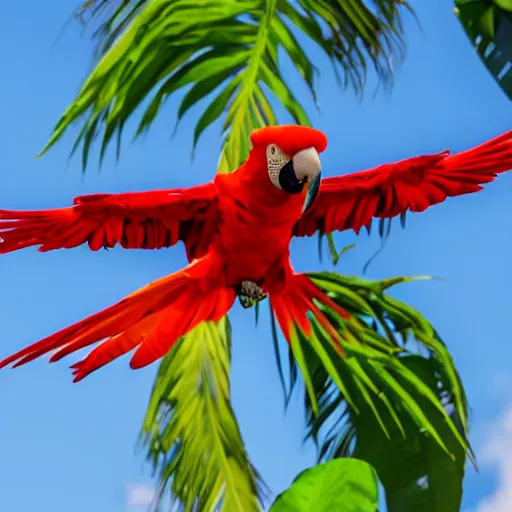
(395,398)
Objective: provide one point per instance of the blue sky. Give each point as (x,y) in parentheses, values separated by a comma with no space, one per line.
(69,446)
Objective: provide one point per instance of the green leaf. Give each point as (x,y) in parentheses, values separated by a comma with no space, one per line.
(415,472)
(488,25)
(341,484)
(392,396)
(223,49)
(190,431)
(333,251)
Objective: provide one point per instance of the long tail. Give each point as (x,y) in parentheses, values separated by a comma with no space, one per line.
(301,298)
(152,318)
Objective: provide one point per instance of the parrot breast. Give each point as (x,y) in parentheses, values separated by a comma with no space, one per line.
(251,244)
(256,221)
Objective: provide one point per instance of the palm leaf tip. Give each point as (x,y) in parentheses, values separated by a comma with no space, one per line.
(190,432)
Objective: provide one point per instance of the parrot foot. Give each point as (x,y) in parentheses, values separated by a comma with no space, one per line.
(250,294)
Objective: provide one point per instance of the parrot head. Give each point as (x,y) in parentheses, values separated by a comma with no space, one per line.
(292,161)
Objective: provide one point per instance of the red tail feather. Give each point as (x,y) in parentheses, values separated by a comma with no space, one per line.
(301,297)
(153,318)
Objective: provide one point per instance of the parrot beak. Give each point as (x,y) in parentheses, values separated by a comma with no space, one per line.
(313,187)
(303,169)
(307,169)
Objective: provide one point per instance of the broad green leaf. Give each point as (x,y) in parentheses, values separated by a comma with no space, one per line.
(190,431)
(338,485)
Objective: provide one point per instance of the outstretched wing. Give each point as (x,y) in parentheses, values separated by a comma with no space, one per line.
(135,220)
(354,200)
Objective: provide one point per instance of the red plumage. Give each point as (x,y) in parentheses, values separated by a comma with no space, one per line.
(236,228)
(414,184)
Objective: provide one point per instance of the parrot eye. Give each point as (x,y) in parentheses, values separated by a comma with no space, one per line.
(276,160)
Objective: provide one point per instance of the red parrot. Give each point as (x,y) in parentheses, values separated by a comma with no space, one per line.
(236,230)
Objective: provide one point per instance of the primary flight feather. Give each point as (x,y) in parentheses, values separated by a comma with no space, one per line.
(236,231)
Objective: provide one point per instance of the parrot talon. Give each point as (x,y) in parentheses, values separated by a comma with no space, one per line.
(250,294)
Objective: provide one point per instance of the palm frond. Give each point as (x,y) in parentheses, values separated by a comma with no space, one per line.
(110,17)
(394,382)
(190,431)
(227,50)
(416,473)
(488,25)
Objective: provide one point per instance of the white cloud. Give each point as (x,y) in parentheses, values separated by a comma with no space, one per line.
(140,495)
(497,453)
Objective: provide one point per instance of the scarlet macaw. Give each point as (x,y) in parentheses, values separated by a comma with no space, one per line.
(236,230)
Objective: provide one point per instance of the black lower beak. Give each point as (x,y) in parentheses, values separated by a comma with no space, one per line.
(288,179)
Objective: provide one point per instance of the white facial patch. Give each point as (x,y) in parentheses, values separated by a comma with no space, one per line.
(276,159)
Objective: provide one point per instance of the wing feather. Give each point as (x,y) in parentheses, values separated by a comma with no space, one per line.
(135,220)
(414,184)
